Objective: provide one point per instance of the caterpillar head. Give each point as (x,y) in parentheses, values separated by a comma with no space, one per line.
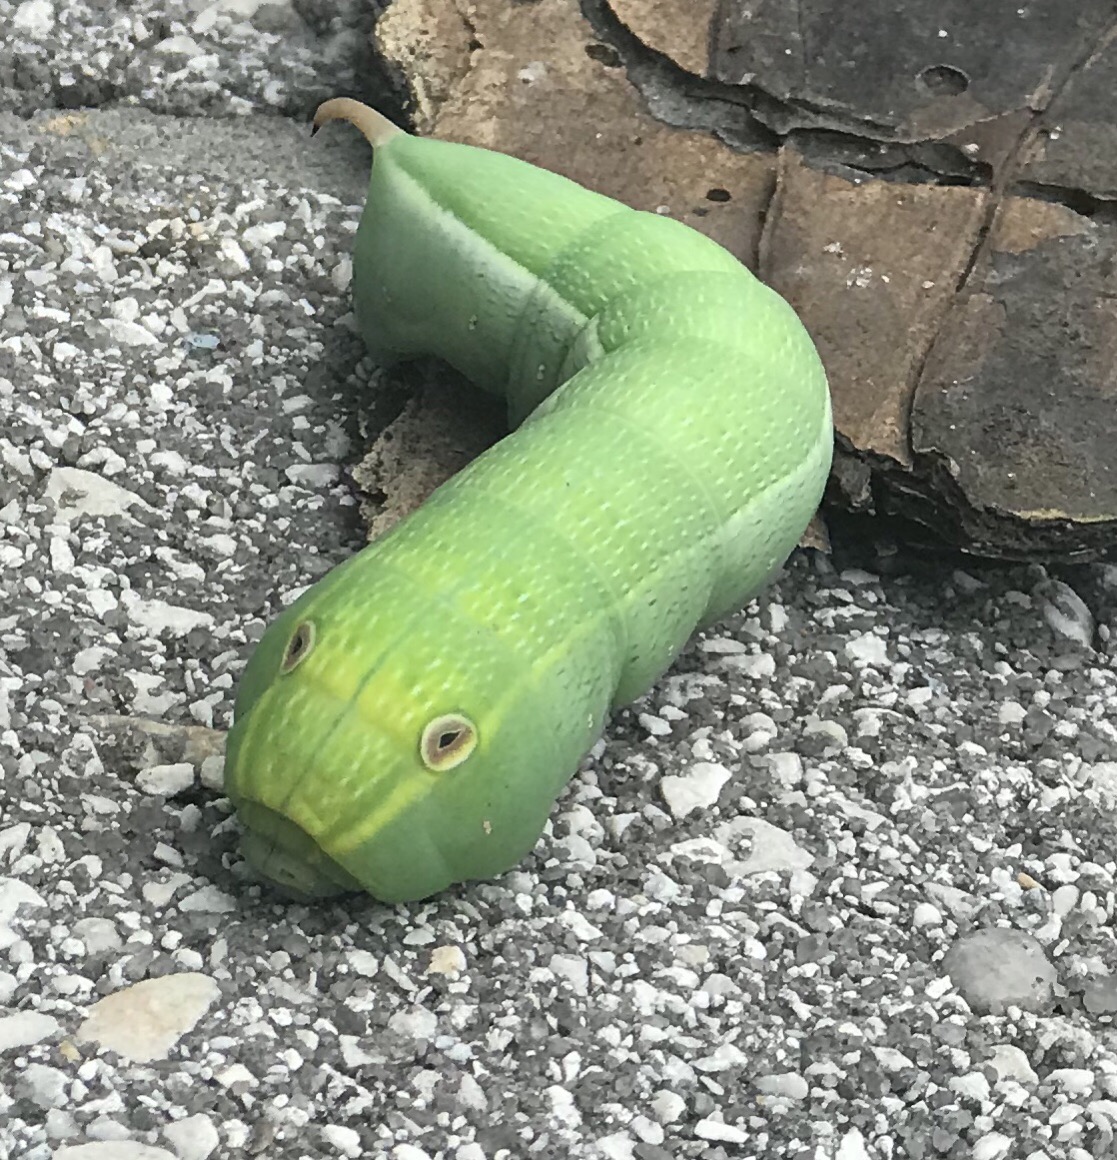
(385,743)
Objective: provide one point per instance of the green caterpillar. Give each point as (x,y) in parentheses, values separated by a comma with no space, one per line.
(410,720)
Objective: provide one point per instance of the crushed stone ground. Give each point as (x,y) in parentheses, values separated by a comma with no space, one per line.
(735,938)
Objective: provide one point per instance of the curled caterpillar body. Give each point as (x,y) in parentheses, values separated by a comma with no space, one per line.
(408,722)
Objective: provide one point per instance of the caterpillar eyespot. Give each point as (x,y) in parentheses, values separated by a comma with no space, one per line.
(299,647)
(447,741)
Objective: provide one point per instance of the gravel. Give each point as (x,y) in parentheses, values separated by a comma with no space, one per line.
(842,886)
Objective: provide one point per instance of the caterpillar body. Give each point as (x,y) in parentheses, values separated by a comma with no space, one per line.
(410,720)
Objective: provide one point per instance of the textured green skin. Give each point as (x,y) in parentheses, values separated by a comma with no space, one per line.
(560,573)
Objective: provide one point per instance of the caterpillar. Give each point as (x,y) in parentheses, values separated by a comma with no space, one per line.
(408,722)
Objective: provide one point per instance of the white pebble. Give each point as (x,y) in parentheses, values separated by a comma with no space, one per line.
(667,1106)
(166,779)
(1064,899)
(699,790)
(868,649)
(345,1140)
(716,1130)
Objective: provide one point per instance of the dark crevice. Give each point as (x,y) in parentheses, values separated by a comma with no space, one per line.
(864,156)
(1083,203)
(927,510)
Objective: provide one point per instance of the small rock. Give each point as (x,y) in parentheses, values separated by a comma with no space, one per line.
(98,934)
(15,896)
(315,475)
(34,18)
(868,649)
(44,1086)
(1075,1081)
(236,1075)
(128,333)
(1009,1062)
(667,1106)
(144,1021)
(418,1023)
(891,1059)
(992,1146)
(825,737)
(1064,900)
(787,768)
(790,1085)
(363,963)
(1099,994)
(572,968)
(25,1028)
(212,772)
(771,849)
(209,900)
(1000,967)
(699,790)
(757,666)
(852,1147)
(345,1140)
(409,1152)
(1067,614)
(166,780)
(972,1085)
(112,1150)
(716,1130)
(194,1138)
(617,1146)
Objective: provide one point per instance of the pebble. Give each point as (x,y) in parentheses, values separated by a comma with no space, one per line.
(756,667)
(193,1137)
(34,18)
(1064,899)
(1010,1062)
(667,1106)
(791,1085)
(43,1086)
(167,780)
(146,1020)
(698,790)
(208,900)
(716,1130)
(867,649)
(24,1028)
(409,1152)
(1067,613)
(771,849)
(1100,995)
(112,1150)
(852,1147)
(344,1140)
(1000,967)
(1075,1081)
(992,1146)
(617,1146)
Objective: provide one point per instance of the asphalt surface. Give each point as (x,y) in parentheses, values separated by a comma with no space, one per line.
(842,886)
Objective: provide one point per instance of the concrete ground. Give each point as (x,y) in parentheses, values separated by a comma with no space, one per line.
(842,886)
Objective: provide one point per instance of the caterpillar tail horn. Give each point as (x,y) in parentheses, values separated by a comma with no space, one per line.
(376,128)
